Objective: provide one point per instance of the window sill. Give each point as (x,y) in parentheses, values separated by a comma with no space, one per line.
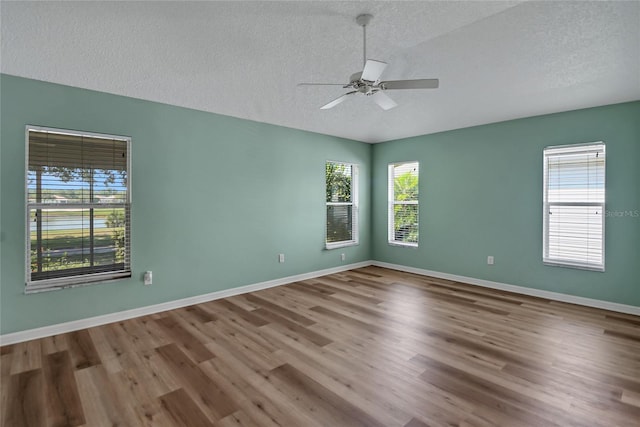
(574,266)
(336,245)
(403,244)
(65,283)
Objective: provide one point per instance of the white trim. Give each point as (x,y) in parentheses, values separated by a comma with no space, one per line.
(58,284)
(555,296)
(403,244)
(555,152)
(343,244)
(75,325)
(89,322)
(44,285)
(392,202)
(354,203)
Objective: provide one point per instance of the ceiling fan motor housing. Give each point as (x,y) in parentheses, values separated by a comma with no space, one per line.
(362,86)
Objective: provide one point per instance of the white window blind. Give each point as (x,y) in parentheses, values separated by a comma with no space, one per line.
(78,208)
(403,203)
(574,203)
(342,204)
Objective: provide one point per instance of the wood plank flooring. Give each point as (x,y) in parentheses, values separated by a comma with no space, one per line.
(367,347)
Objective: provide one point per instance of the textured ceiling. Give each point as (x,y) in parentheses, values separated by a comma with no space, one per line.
(495,60)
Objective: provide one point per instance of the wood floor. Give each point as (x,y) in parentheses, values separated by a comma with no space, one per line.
(367,347)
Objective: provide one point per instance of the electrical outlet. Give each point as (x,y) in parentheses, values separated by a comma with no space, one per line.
(281,258)
(343,257)
(148,278)
(490,260)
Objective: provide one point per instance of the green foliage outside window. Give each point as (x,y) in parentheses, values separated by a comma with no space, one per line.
(405,188)
(115,221)
(338,182)
(338,189)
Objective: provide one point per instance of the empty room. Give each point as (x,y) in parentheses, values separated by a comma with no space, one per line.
(320,213)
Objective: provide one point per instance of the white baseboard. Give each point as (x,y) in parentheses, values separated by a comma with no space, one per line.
(89,322)
(555,296)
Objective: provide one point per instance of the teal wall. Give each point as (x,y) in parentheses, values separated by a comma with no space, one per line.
(481,194)
(214,200)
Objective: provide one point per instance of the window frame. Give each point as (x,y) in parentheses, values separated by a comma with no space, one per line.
(597,146)
(391,202)
(70,281)
(355,174)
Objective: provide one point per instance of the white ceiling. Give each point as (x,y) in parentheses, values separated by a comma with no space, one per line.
(496,60)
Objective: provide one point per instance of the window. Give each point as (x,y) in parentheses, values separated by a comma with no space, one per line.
(342,204)
(403,203)
(574,195)
(78,204)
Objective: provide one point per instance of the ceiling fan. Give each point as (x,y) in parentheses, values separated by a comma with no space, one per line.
(367,82)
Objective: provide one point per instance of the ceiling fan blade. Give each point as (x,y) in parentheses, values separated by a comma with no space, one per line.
(373,70)
(322,84)
(383,100)
(337,101)
(411,84)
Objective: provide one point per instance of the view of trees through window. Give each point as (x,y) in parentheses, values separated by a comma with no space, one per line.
(404,202)
(65,236)
(77,205)
(340,202)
